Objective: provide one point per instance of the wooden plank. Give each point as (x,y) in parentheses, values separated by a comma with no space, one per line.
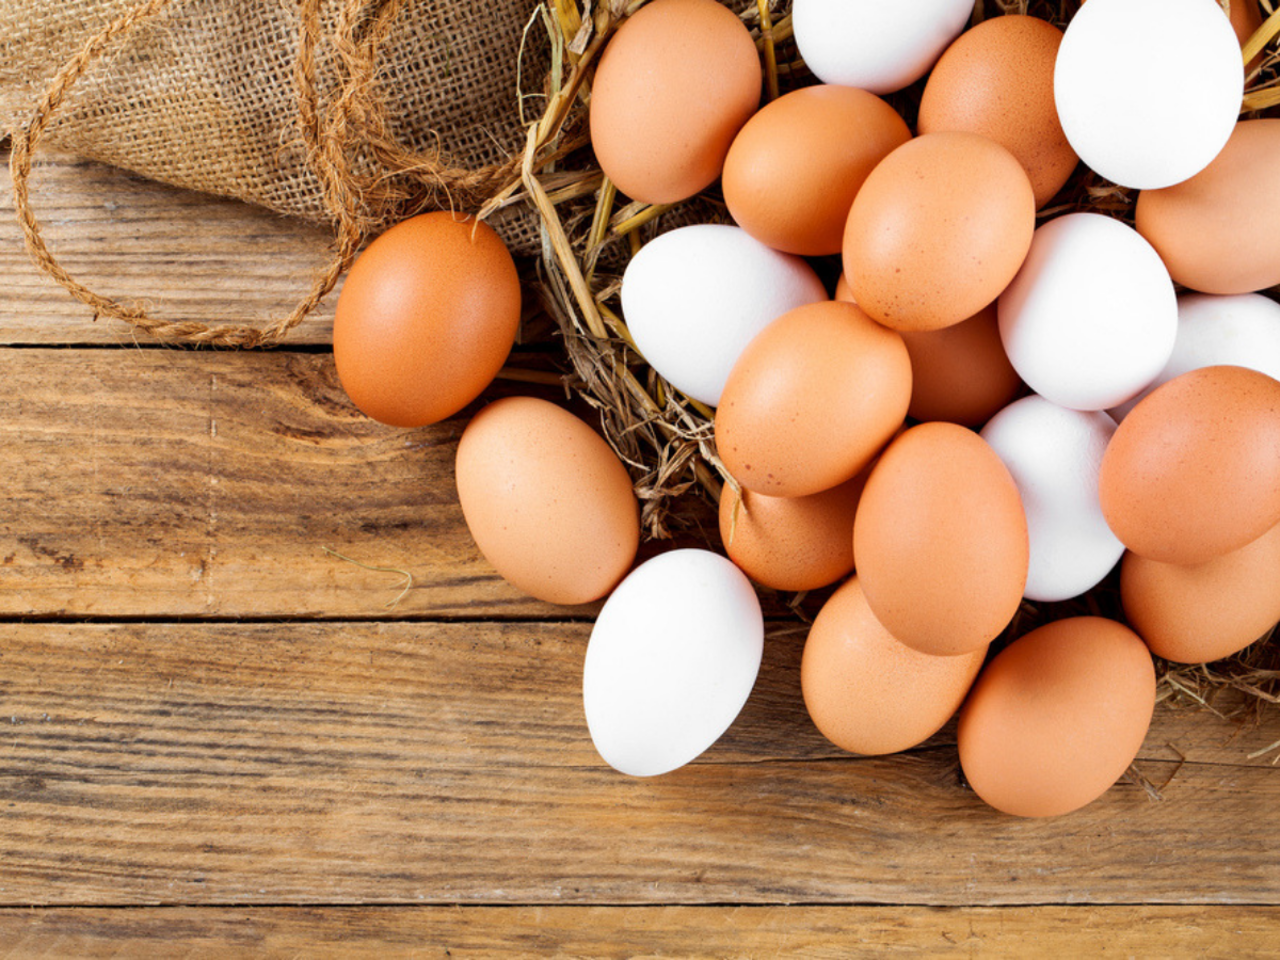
(618,932)
(189,256)
(449,763)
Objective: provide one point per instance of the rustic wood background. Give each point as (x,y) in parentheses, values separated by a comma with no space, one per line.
(221,740)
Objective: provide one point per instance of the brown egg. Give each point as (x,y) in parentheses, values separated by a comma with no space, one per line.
(938,230)
(791,543)
(811,400)
(794,169)
(547,501)
(426,319)
(1219,232)
(997,80)
(867,692)
(941,540)
(673,87)
(1057,717)
(1208,611)
(1193,472)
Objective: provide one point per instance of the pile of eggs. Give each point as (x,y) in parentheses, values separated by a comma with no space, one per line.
(985,410)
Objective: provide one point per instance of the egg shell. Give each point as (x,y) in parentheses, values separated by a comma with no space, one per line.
(671,661)
(812,399)
(1193,472)
(1057,717)
(547,501)
(997,80)
(1204,612)
(1092,315)
(869,693)
(791,543)
(1246,17)
(881,47)
(1219,232)
(1054,455)
(938,229)
(694,297)
(1241,331)
(1151,121)
(673,87)
(940,539)
(794,169)
(426,318)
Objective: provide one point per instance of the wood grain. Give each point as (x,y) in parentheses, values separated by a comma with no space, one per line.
(606,933)
(449,763)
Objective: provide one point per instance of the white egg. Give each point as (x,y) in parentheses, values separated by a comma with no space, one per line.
(1091,317)
(873,44)
(1148,91)
(671,661)
(694,297)
(1054,455)
(1240,331)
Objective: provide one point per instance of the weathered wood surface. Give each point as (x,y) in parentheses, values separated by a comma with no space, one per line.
(428,762)
(613,933)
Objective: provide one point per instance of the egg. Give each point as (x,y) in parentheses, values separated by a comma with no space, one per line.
(812,399)
(1057,717)
(1241,331)
(1053,455)
(881,47)
(694,297)
(1091,317)
(1193,472)
(671,660)
(940,539)
(1153,120)
(938,229)
(547,500)
(1219,232)
(997,80)
(794,169)
(673,87)
(426,318)
(791,543)
(1207,611)
(867,692)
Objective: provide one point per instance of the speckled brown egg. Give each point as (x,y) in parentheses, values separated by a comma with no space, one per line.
(794,169)
(869,693)
(547,501)
(997,80)
(811,400)
(791,543)
(426,319)
(938,230)
(1219,232)
(1193,472)
(941,540)
(1194,614)
(673,87)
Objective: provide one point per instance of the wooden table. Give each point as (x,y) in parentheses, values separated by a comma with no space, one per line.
(220,739)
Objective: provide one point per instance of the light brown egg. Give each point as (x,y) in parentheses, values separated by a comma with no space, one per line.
(938,230)
(1196,614)
(794,169)
(547,501)
(1057,717)
(673,87)
(1219,232)
(791,543)
(812,399)
(425,319)
(869,693)
(997,80)
(1193,472)
(941,540)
